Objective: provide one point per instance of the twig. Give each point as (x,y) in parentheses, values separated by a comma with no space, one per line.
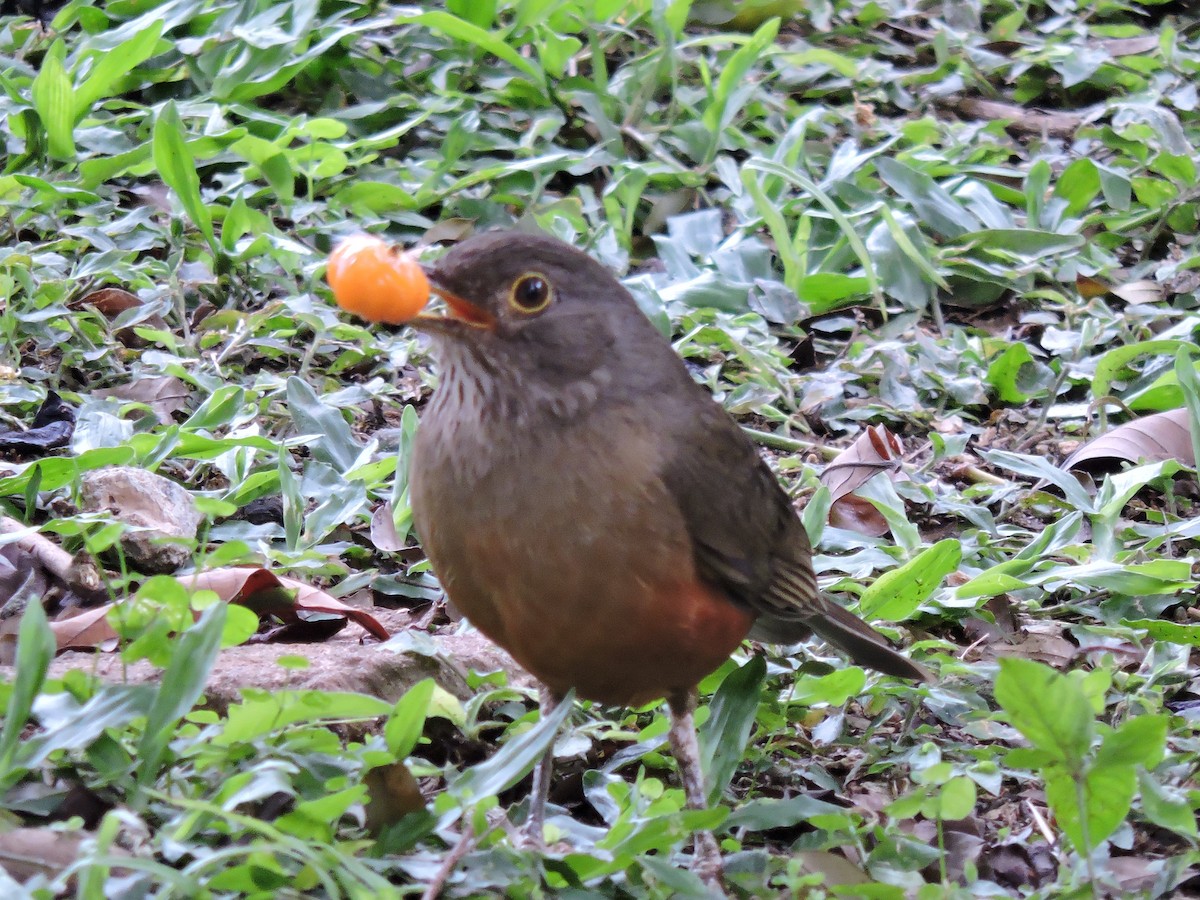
(794,445)
(465,842)
(53,558)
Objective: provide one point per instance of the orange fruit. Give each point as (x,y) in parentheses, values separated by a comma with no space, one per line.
(372,280)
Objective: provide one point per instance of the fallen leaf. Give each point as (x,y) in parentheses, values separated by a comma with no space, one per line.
(1153,438)
(51,428)
(383,529)
(277,595)
(112,302)
(26,853)
(87,631)
(165,395)
(876,450)
(392,793)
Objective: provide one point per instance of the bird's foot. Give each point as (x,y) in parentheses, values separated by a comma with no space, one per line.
(707,862)
(530,836)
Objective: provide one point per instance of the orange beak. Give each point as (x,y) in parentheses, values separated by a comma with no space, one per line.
(460,310)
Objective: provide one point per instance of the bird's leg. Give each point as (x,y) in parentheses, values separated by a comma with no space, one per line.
(687,755)
(535,822)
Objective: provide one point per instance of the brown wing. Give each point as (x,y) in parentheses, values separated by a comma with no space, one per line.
(749,541)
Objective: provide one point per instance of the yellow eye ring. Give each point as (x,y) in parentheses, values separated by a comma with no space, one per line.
(531,293)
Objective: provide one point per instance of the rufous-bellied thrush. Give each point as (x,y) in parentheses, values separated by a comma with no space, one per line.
(591,508)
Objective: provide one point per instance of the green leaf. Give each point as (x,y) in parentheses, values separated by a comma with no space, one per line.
(54,99)
(1089,807)
(469,33)
(766,813)
(953,800)
(514,760)
(1049,709)
(835,688)
(1025,244)
(724,736)
(35,650)
(1166,807)
(1166,630)
(1140,741)
(720,113)
(333,442)
(407,721)
(1005,371)
(1189,384)
(69,725)
(929,200)
(177,168)
(1078,185)
(182,684)
(1040,468)
(896,595)
(113,65)
(1112,364)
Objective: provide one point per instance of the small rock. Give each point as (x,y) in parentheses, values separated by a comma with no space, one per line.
(157,508)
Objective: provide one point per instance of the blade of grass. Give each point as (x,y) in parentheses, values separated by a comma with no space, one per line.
(178,169)
(35,649)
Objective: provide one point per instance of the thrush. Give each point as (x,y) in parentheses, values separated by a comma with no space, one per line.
(592,509)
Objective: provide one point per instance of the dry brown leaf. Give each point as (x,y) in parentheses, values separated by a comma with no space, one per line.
(1154,438)
(29,852)
(856,514)
(1130,46)
(392,793)
(87,631)
(1090,287)
(1139,291)
(165,395)
(876,450)
(110,302)
(1018,119)
(383,529)
(1142,291)
(270,594)
(257,589)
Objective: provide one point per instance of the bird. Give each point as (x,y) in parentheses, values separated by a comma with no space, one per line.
(592,509)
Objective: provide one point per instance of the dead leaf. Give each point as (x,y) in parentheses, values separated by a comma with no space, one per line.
(51,428)
(87,631)
(876,450)
(277,595)
(1154,438)
(1090,287)
(29,852)
(165,395)
(1130,46)
(383,529)
(836,869)
(1144,291)
(392,793)
(308,614)
(1018,119)
(452,230)
(112,302)
(856,514)
(1040,641)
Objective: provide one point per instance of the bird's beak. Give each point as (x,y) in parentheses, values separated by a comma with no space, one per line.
(462,312)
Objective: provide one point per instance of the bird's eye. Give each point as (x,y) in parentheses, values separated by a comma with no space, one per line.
(531,293)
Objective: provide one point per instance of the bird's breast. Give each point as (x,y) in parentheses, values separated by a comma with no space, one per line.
(561,543)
